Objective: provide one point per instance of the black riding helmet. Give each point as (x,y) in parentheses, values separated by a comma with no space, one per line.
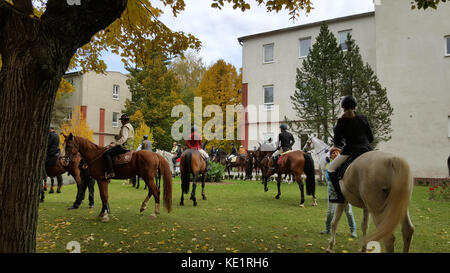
(348,102)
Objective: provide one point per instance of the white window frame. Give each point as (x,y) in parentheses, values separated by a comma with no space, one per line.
(264,53)
(447,45)
(449,126)
(268,106)
(116,92)
(345,38)
(115,124)
(300,46)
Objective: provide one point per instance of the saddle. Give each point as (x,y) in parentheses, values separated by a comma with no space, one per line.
(123,158)
(341,169)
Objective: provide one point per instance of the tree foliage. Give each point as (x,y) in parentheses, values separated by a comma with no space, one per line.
(77,126)
(155,90)
(220,86)
(316,99)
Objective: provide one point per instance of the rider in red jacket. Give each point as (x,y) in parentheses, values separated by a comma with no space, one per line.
(195,142)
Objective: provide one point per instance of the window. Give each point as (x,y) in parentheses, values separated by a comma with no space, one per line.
(268,97)
(68,114)
(268,53)
(447,46)
(115,120)
(343,38)
(305,46)
(116,91)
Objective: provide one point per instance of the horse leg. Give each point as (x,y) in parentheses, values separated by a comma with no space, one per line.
(389,240)
(278,186)
(103,189)
(194,186)
(364,226)
(203,187)
(299,180)
(182,199)
(334,224)
(407,232)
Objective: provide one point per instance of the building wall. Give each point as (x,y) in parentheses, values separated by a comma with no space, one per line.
(412,66)
(281,73)
(95,92)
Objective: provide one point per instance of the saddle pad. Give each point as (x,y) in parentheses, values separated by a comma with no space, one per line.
(122,158)
(280,158)
(288,152)
(233,160)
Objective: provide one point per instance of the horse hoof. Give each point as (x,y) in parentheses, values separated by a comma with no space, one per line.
(195,204)
(204,197)
(277,197)
(329,250)
(181,204)
(105,219)
(314,204)
(302,206)
(153,215)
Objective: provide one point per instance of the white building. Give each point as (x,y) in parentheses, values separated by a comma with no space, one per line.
(408,49)
(102,98)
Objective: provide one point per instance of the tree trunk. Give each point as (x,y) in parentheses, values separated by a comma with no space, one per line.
(35,54)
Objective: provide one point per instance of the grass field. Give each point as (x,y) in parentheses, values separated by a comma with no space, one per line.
(237,217)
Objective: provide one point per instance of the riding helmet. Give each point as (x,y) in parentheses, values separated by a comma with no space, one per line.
(348,102)
(283,126)
(125,117)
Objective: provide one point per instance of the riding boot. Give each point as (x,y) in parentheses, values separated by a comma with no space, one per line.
(208,167)
(109,167)
(275,164)
(335,182)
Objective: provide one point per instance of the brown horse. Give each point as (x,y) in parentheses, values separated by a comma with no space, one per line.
(192,162)
(240,163)
(143,163)
(297,163)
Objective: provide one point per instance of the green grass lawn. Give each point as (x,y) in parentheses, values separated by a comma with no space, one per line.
(238,217)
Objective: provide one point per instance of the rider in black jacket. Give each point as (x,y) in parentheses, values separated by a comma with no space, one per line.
(353,133)
(285,142)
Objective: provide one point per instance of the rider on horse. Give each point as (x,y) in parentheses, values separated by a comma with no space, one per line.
(285,143)
(353,130)
(195,142)
(120,146)
(233,153)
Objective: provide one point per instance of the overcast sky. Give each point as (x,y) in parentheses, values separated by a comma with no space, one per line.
(219,29)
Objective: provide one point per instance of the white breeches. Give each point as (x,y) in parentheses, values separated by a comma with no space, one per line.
(334,165)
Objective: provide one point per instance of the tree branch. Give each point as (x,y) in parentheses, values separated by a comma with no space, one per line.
(78,23)
(24,5)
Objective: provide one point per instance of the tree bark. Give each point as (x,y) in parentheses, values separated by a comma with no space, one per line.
(35,54)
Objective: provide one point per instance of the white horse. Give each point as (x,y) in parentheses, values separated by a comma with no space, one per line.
(168,156)
(321,150)
(381,184)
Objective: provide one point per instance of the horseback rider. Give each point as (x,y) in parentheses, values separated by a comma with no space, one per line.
(353,133)
(285,143)
(195,142)
(233,153)
(242,150)
(146,144)
(176,151)
(53,152)
(120,146)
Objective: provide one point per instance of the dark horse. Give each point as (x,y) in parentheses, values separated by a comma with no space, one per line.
(220,157)
(143,163)
(64,164)
(192,162)
(295,162)
(240,163)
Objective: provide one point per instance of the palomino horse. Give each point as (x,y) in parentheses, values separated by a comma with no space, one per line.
(143,163)
(321,149)
(295,162)
(381,184)
(192,162)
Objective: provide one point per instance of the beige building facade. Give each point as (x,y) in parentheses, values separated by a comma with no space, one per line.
(102,98)
(408,49)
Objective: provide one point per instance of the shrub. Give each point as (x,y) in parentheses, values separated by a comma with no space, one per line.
(216,172)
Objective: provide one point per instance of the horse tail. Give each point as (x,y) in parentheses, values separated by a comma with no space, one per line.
(186,172)
(397,202)
(310,175)
(164,168)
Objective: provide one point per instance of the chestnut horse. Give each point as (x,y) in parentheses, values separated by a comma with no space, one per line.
(380,183)
(192,162)
(143,163)
(297,163)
